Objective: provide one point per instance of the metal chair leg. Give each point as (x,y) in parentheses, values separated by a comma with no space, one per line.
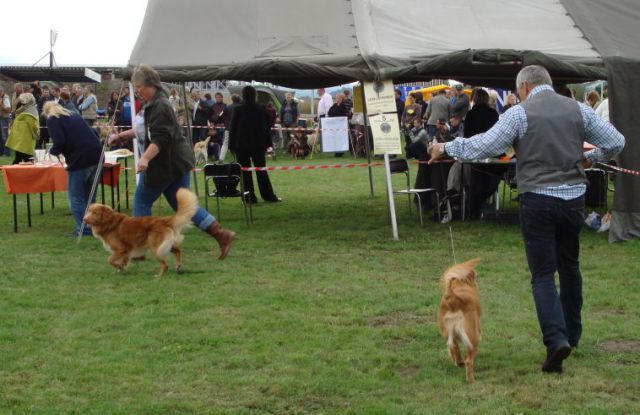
(244,205)
(438,206)
(420,209)
(464,203)
(206,195)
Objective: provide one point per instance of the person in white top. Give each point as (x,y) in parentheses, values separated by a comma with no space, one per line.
(602,110)
(5,119)
(325,103)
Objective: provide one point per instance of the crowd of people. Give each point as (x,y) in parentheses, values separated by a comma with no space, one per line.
(451,113)
(22,118)
(247,129)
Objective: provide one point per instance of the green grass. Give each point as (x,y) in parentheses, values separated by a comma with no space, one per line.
(316,310)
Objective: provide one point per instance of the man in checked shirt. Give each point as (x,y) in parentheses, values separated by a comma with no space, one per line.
(547,131)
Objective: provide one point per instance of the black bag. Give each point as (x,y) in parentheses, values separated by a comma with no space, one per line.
(596,195)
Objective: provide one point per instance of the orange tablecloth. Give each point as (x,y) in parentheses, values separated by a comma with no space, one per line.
(24,178)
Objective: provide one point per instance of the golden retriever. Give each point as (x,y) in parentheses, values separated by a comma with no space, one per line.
(126,237)
(459,314)
(200,150)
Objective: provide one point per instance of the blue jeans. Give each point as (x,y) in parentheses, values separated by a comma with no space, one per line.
(4,134)
(79,184)
(551,231)
(146,195)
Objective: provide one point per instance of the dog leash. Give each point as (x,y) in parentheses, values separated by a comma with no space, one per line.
(453,248)
(450,213)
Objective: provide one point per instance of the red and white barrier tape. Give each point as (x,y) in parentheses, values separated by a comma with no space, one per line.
(620,169)
(314,167)
(318,166)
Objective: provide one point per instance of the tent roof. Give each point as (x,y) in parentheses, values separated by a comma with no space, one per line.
(319,43)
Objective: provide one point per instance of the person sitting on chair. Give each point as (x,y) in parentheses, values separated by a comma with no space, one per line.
(417,141)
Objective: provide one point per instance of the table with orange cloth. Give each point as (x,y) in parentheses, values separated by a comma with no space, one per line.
(46,177)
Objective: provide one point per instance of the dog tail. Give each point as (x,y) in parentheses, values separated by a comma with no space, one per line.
(187,206)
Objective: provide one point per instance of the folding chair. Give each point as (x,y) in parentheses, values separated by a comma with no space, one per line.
(225,179)
(402,166)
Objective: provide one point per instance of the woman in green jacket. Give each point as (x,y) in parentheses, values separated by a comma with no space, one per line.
(25,128)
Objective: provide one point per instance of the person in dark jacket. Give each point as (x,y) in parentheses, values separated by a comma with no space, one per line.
(81,148)
(288,119)
(399,104)
(289,112)
(114,108)
(249,139)
(200,113)
(166,164)
(66,103)
(235,103)
(482,184)
(459,103)
(339,109)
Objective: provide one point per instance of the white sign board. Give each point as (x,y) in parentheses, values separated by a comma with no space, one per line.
(92,75)
(380,97)
(335,137)
(386,134)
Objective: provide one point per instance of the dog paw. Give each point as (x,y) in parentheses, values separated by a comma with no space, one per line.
(179,269)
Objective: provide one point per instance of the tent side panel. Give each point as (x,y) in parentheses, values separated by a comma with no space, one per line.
(624,80)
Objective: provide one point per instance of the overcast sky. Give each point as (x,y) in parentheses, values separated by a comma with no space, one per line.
(90,32)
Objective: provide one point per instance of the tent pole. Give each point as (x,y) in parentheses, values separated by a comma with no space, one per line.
(392,205)
(187,118)
(136,148)
(366,137)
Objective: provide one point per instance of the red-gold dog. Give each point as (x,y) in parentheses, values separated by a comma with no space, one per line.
(459,315)
(126,237)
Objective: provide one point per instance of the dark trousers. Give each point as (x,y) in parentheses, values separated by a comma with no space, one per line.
(257,157)
(481,184)
(20,157)
(551,232)
(428,175)
(198,132)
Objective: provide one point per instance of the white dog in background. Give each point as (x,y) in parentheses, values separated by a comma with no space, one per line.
(200,150)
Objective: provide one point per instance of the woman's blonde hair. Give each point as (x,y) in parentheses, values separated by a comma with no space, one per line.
(53,109)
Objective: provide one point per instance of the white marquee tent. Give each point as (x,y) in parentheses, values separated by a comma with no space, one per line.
(309,43)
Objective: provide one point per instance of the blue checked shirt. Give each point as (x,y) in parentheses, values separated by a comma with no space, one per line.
(512,126)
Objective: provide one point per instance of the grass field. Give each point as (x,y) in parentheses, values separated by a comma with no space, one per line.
(316,310)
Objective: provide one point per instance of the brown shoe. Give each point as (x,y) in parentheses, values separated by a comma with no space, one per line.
(224,238)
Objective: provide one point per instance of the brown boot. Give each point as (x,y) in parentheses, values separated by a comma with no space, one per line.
(224,238)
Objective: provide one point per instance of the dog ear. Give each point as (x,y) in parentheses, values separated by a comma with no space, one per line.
(105,213)
(472,275)
(471,266)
